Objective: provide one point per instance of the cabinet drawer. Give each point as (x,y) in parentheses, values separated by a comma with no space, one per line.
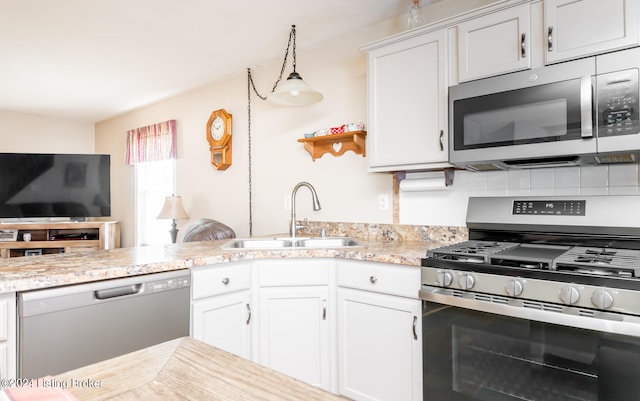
(379,277)
(279,273)
(216,280)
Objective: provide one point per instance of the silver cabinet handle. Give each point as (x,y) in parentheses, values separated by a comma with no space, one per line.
(249,310)
(373,279)
(324,309)
(550,38)
(441,143)
(523,46)
(225,281)
(415,325)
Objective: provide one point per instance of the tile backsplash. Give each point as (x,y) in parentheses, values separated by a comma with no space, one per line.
(447,207)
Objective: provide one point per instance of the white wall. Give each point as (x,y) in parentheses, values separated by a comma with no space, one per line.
(23,133)
(448,206)
(346,191)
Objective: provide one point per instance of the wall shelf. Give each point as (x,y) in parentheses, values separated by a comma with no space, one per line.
(336,144)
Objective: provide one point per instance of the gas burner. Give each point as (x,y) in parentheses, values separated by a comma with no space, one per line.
(604,261)
(597,256)
(470,251)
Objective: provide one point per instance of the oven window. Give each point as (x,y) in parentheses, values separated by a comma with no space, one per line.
(469,355)
(542,113)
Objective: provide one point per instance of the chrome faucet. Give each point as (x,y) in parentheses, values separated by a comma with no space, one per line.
(316,205)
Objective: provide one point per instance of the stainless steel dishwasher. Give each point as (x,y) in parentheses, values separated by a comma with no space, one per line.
(64,328)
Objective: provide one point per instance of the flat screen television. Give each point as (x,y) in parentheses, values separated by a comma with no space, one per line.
(38,185)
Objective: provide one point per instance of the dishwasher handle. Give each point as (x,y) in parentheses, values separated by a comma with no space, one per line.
(118,291)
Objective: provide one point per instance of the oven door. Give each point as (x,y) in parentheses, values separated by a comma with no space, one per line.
(477,350)
(543,113)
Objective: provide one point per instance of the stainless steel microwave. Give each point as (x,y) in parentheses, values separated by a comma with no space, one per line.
(574,113)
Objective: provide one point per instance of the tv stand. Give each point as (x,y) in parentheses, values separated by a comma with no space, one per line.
(59,237)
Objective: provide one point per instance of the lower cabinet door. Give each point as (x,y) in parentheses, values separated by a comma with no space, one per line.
(295,333)
(379,346)
(224,321)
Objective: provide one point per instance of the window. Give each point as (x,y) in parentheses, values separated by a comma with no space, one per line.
(152,150)
(153,182)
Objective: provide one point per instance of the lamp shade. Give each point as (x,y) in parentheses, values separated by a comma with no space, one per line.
(294,92)
(173,209)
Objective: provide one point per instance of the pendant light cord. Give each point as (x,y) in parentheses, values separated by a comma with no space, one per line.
(251,85)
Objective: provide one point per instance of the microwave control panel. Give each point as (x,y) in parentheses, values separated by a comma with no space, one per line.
(618,98)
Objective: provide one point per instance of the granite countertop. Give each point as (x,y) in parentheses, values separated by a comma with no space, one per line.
(184,369)
(34,272)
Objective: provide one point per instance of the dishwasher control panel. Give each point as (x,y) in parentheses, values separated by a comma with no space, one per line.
(167,284)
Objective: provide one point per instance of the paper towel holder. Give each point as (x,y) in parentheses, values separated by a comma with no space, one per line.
(449,173)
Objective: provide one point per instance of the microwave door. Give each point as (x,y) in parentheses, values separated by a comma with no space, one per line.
(551,118)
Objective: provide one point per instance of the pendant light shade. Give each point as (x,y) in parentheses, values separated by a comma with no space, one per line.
(294,92)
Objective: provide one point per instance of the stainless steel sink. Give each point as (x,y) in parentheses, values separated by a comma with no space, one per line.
(303,242)
(329,242)
(258,243)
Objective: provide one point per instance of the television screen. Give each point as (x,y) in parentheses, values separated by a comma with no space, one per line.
(54,185)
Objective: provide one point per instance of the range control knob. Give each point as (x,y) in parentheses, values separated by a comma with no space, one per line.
(445,279)
(467,281)
(514,287)
(569,295)
(602,299)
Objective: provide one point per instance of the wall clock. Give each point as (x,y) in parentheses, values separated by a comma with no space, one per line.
(219,138)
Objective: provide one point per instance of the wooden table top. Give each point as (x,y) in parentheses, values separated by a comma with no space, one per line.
(186,369)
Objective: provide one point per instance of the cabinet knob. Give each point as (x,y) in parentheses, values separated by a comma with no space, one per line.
(373,279)
(225,281)
(550,39)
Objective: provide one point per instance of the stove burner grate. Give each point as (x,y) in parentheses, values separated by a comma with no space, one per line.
(600,261)
(471,251)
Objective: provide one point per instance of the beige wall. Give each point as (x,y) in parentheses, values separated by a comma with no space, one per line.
(21,132)
(346,191)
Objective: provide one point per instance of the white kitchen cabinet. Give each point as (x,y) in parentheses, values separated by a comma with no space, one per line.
(221,312)
(407,103)
(294,333)
(295,319)
(494,44)
(578,28)
(224,321)
(379,334)
(8,336)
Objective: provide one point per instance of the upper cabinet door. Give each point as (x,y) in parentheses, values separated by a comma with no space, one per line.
(494,44)
(407,114)
(577,28)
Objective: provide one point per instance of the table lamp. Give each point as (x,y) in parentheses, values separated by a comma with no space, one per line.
(172,209)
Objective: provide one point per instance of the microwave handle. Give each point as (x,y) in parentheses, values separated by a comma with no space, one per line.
(585,107)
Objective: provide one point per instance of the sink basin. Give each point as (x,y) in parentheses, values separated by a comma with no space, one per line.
(258,243)
(340,242)
(279,243)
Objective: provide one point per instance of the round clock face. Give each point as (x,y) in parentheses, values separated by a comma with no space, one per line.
(217,128)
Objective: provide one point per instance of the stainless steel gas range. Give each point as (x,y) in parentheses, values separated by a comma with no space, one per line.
(541,303)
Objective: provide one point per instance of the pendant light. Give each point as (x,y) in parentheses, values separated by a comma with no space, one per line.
(294,91)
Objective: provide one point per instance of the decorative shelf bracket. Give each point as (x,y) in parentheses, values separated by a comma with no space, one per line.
(336,144)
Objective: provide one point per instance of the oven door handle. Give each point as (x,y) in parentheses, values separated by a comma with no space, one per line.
(519,308)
